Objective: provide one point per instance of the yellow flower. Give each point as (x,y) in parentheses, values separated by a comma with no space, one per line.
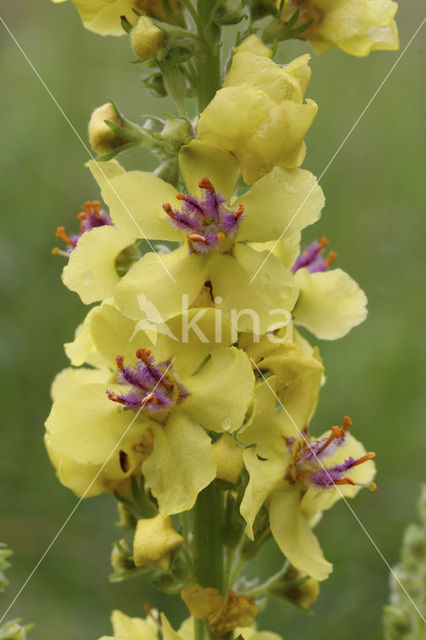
(127,628)
(355,26)
(149,411)
(213,256)
(298,476)
(155,540)
(229,458)
(330,302)
(103,16)
(146,38)
(260,115)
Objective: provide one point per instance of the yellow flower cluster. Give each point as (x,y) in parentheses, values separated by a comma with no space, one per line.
(190,367)
(357,27)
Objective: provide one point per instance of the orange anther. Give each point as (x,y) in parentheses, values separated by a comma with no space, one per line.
(195,237)
(62,234)
(370,455)
(168,209)
(181,196)
(347,422)
(120,360)
(220,236)
(239,211)
(323,242)
(330,258)
(143,354)
(206,184)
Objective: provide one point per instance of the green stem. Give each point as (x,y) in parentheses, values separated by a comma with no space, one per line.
(209,70)
(208,538)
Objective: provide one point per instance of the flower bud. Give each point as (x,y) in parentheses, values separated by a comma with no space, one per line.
(146,38)
(121,557)
(109,133)
(228,12)
(229,458)
(155,540)
(176,132)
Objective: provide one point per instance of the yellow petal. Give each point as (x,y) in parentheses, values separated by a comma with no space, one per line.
(198,160)
(162,281)
(189,338)
(256,306)
(330,303)
(169,633)
(155,539)
(284,201)
(258,132)
(85,480)
(229,458)
(252,44)
(265,477)
(71,378)
(135,200)
(181,465)
(298,378)
(103,172)
(114,334)
(91,268)
(133,628)
(293,534)
(86,426)
(82,349)
(221,393)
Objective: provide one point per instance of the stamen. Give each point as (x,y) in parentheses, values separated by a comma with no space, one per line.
(182,196)
(370,455)
(345,480)
(144,355)
(62,234)
(168,209)
(330,258)
(336,432)
(120,362)
(195,237)
(206,184)
(238,211)
(220,236)
(323,242)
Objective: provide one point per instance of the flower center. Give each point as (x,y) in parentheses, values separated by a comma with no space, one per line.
(309,453)
(148,386)
(207,221)
(312,259)
(92,216)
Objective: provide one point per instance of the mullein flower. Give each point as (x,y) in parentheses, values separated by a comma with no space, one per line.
(330,302)
(357,27)
(92,217)
(213,231)
(298,476)
(155,540)
(104,16)
(260,115)
(149,628)
(159,406)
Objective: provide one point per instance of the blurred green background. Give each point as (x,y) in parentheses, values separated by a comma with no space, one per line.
(374,218)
